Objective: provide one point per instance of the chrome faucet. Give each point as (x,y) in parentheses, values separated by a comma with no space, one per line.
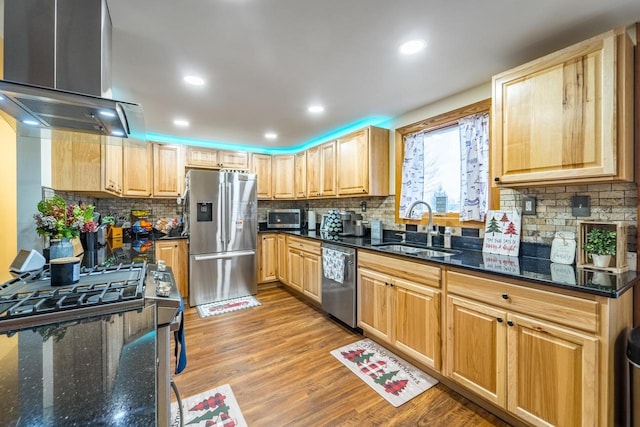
(430,231)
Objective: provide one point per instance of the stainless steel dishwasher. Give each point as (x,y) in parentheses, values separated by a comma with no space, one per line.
(339,282)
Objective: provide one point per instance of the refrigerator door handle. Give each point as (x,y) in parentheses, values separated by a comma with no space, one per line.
(223,255)
(228,207)
(222,214)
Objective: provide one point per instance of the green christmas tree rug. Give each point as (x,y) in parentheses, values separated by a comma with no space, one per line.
(216,407)
(390,376)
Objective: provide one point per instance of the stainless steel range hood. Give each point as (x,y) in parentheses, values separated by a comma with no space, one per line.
(57,68)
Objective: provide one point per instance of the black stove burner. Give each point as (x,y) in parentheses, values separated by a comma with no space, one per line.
(31,300)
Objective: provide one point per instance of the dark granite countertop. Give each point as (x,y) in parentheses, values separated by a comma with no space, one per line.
(119,251)
(532,269)
(65,374)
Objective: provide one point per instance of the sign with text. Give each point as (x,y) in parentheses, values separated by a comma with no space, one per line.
(502,233)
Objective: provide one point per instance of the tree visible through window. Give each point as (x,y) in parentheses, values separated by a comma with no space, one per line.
(442,169)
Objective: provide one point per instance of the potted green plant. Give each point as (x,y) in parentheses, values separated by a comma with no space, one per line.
(600,246)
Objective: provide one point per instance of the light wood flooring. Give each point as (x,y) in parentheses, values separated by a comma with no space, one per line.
(276,359)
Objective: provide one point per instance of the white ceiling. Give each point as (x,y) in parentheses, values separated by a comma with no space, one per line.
(265,61)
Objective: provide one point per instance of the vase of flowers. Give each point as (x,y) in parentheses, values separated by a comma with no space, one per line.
(61,222)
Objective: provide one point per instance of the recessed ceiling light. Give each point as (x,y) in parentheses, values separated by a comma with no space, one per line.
(181,123)
(316,109)
(194,80)
(412,46)
(30,122)
(271,135)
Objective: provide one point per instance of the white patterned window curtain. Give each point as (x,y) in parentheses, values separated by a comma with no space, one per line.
(474,167)
(412,174)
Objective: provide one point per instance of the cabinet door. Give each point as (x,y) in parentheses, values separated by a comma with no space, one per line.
(476,348)
(136,166)
(168,170)
(282,269)
(374,304)
(296,270)
(300,175)
(283,172)
(233,159)
(314,172)
(112,155)
(556,118)
(551,373)
(76,161)
(417,321)
(353,156)
(328,167)
(267,260)
(261,166)
(312,276)
(199,157)
(174,254)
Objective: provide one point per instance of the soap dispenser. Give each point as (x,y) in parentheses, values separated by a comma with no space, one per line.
(447,237)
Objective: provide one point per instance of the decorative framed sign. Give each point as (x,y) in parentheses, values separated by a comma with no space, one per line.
(502,233)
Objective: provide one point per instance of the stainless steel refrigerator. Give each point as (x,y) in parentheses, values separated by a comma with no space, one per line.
(223,226)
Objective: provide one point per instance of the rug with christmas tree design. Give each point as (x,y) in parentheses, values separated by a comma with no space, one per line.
(227,306)
(213,408)
(391,377)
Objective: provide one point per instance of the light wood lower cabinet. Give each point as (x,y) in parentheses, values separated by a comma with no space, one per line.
(175,254)
(267,254)
(305,267)
(282,248)
(545,357)
(401,306)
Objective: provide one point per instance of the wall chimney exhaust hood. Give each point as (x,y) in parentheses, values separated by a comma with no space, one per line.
(57,68)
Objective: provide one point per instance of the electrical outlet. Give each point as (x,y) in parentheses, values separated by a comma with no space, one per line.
(481,232)
(632,259)
(422,228)
(456,231)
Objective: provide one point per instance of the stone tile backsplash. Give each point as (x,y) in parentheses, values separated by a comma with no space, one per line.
(609,202)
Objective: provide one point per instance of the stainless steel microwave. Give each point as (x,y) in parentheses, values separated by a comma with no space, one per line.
(285,218)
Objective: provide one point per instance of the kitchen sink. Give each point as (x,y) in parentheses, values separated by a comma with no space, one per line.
(413,250)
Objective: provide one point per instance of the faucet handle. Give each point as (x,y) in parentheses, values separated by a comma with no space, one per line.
(434,230)
(403,235)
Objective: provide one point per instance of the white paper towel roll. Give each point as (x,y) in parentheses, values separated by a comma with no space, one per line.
(312,220)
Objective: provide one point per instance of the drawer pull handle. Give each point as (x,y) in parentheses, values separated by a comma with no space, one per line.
(505,296)
(510,322)
(499,319)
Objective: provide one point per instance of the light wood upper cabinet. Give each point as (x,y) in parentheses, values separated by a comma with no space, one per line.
(261,166)
(283,174)
(267,259)
(137,168)
(168,170)
(566,117)
(112,153)
(321,170)
(300,175)
(86,163)
(210,158)
(363,163)
(174,253)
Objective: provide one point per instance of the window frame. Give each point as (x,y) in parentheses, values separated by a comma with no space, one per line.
(431,124)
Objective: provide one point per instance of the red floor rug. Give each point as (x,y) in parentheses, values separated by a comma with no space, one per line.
(213,408)
(391,377)
(227,306)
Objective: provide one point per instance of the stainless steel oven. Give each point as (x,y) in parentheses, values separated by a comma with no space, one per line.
(285,218)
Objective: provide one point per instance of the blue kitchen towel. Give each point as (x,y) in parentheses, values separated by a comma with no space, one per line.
(181,360)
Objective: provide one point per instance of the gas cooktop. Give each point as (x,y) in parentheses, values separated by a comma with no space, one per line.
(29,300)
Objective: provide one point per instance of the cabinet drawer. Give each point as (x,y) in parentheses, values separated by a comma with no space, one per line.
(563,309)
(304,245)
(414,271)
